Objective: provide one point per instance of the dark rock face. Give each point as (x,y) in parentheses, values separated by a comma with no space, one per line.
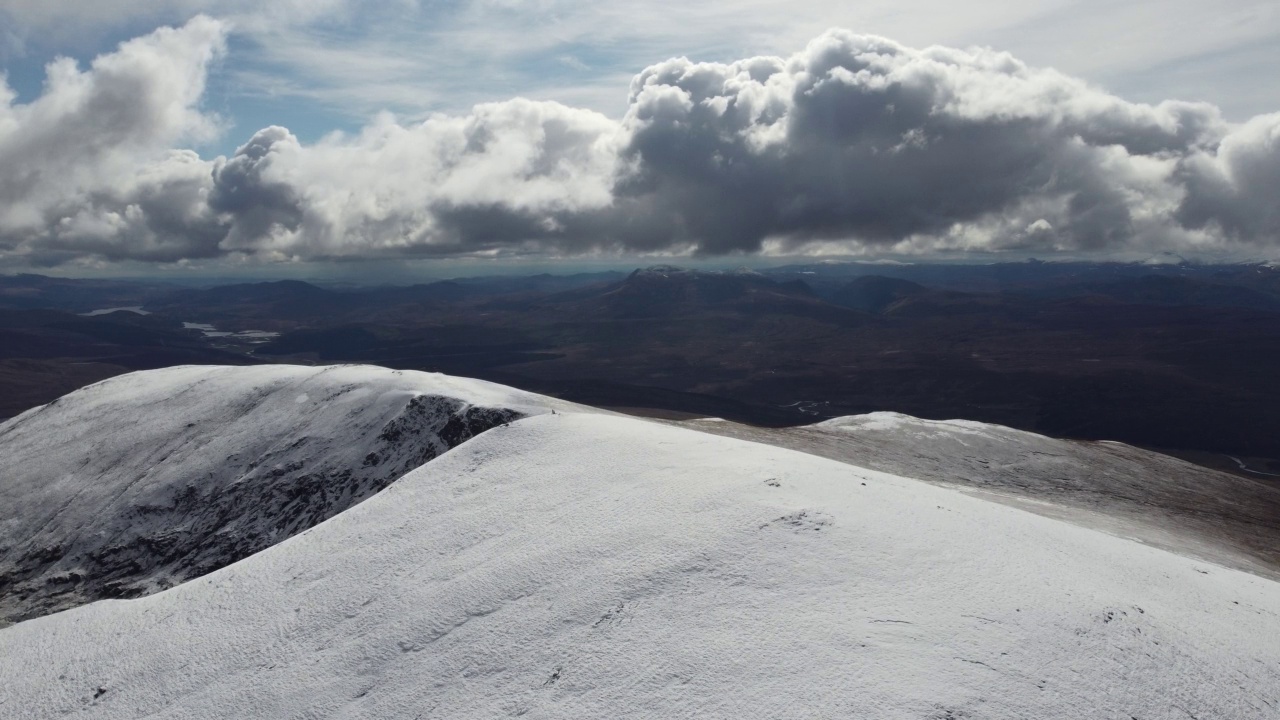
(203,515)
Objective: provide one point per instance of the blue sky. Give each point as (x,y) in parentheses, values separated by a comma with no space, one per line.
(334,66)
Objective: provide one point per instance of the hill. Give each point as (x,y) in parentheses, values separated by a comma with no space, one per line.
(147,480)
(586,565)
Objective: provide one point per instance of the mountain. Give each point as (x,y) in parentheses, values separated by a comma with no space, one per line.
(78,295)
(906,300)
(1110,486)
(1171,290)
(1082,350)
(281,299)
(874,293)
(295,301)
(666,291)
(496,285)
(210,465)
(738,345)
(579,564)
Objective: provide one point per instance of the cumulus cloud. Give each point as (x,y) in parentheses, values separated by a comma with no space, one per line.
(506,174)
(90,165)
(855,143)
(1235,188)
(860,137)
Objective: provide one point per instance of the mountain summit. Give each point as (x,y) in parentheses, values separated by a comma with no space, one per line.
(579,564)
(148,480)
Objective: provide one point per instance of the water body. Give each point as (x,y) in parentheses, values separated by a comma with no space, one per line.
(1248,469)
(135,309)
(250,336)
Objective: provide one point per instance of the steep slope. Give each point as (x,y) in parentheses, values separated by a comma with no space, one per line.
(593,566)
(147,480)
(1123,490)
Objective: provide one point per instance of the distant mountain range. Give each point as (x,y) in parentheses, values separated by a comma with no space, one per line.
(1175,355)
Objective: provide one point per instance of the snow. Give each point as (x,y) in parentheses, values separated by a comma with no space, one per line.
(146,480)
(1126,491)
(580,565)
(917,427)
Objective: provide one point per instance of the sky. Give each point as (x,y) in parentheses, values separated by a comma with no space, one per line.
(286,134)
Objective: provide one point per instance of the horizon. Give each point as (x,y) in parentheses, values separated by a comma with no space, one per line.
(353,274)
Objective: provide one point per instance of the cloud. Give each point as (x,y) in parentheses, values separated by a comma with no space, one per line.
(503,175)
(861,137)
(89,166)
(255,207)
(72,21)
(12,42)
(853,144)
(1232,190)
(447,56)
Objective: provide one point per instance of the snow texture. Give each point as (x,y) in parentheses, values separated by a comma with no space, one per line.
(1117,488)
(576,565)
(147,480)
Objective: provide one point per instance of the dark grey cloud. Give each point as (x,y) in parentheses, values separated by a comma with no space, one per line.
(255,207)
(1235,189)
(862,138)
(855,143)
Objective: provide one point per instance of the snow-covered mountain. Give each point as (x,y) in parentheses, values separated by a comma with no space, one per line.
(147,480)
(588,565)
(1117,488)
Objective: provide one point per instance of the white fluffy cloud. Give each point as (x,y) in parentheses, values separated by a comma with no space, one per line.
(491,180)
(90,165)
(854,142)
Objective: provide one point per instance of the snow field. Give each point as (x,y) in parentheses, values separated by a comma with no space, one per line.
(577,565)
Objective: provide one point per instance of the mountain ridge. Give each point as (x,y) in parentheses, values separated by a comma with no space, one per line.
(579,565)
(213,465)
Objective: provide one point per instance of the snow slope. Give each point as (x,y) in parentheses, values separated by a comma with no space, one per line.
(573,565)
(146,480)
(1126,491)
